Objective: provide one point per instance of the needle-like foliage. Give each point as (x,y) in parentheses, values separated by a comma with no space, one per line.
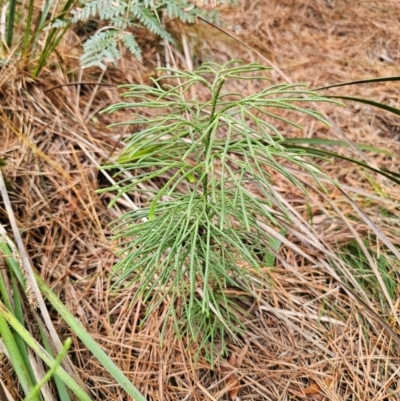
(200,234)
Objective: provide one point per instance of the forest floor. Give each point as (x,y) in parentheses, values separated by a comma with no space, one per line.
(306,337)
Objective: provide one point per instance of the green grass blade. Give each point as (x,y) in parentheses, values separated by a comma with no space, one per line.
(10,22)
(19,314)
(4,295)
(15,307)
(50,46)
(62,391)
(45,13)
(38,29)
(382,106)
(16,359)
(330,142)
(41,352)
(393,176)
(89,342)
(27,34)
(274,244)
(359,82)
(11,262)
(36,391)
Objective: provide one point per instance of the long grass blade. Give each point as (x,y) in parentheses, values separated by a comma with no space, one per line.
(27,33)
(36,390)
(10,22)
(391,175)
(359,82)
(84,336)
(382,106)
(62,390)
(19,314)
(331,142)
(16,359)
(42,353)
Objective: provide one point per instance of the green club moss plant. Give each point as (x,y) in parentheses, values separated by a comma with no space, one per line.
(208,158)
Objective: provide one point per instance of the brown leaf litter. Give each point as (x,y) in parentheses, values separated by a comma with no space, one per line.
(307,337)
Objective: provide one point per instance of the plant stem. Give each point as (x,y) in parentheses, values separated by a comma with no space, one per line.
(207,141)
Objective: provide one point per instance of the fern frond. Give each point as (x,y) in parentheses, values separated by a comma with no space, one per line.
(148,20)
(100,49)
(59,23)
(130,43)
(121,15)
(106,9)
(180,11)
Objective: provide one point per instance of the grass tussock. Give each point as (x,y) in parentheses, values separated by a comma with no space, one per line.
(327,325)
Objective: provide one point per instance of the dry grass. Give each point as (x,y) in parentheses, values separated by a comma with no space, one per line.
(308,337)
